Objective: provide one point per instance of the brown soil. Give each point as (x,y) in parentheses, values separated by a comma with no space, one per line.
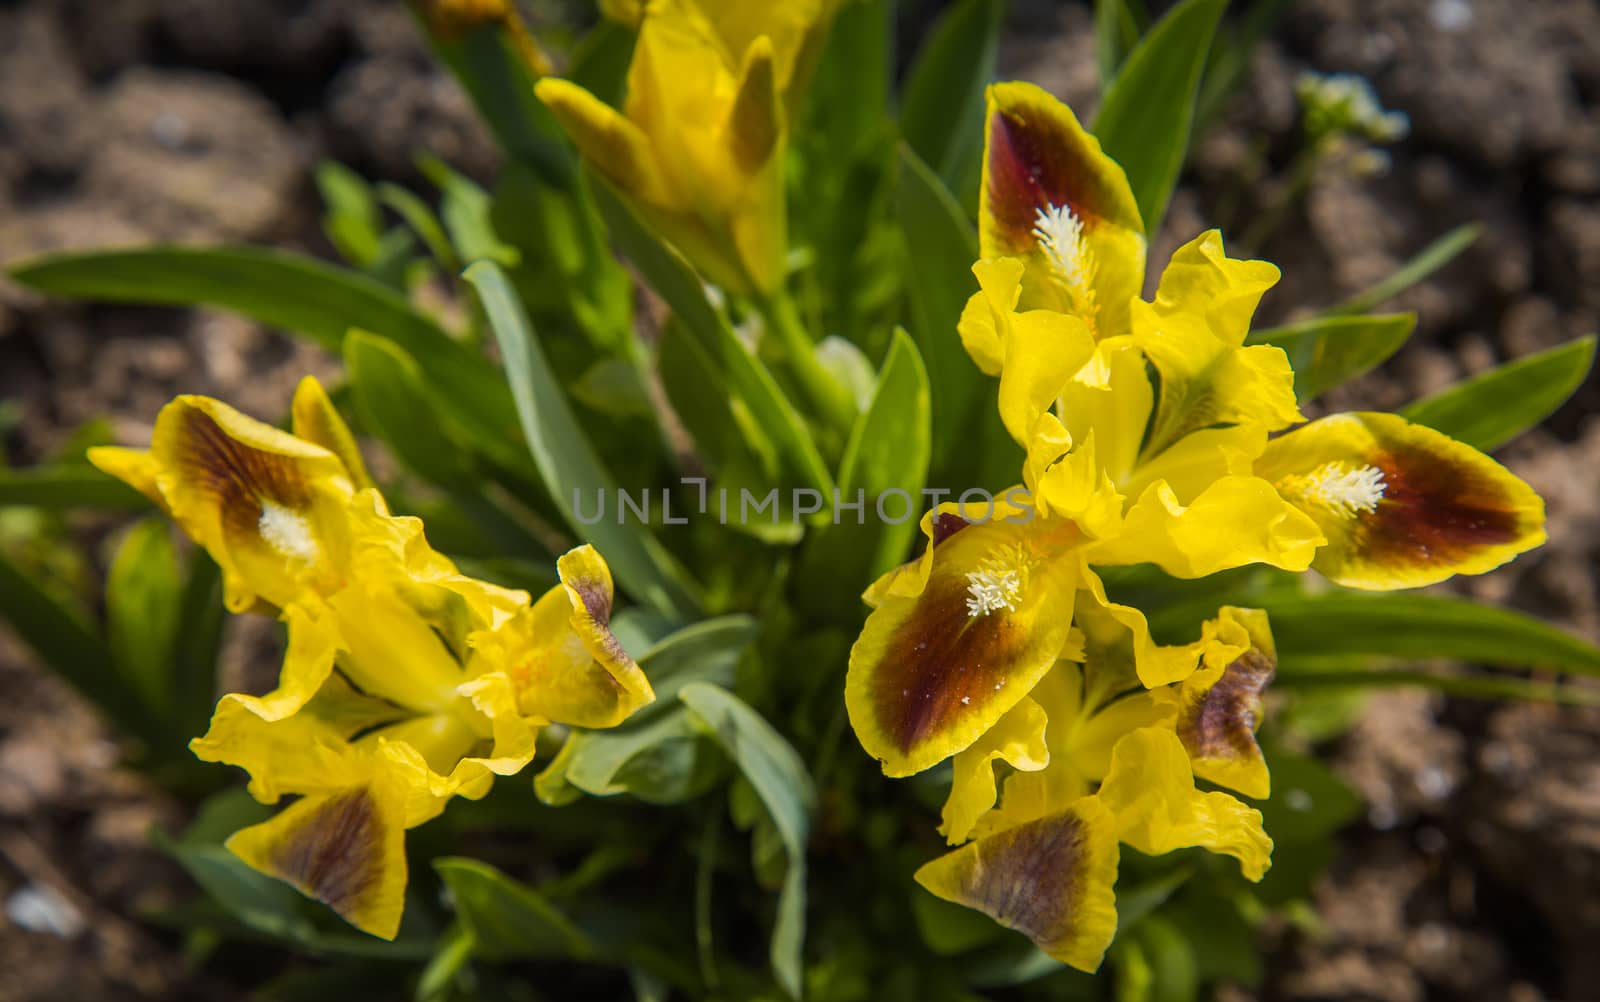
(1477,872)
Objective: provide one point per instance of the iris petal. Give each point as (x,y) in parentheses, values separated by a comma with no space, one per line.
(1234,522)
(1017,739)
(345,849)
(1050,879)
(1402,505)
(933,670)
(1219,707)
(1052,197)
(1150,790)
(267,506)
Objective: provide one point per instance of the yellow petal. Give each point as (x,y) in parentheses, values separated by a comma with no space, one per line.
(135,467)
(565,663)
(267,506)
(615,146)
(1050,879)
(1029,794)
(939,524)
(1201,278)
(1207,382)
(316,421)
(1401,505)
(795,28)
(1052,197)
(1120,634)
(1042,351)
(1234,522)
(1034,353)
(1150,791)
(1218,708)
(932,671)
(1016,739)
(1110,398)
(345,849)
(515,736)
(1199,459)
(299,754)
(755,125)
(314,640)
(1067,480)
(978,335)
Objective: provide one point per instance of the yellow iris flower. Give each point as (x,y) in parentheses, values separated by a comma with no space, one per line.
(698,147)
(1097,760)
(1151,435)
(405,682)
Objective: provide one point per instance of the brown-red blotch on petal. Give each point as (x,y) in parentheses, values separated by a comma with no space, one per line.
(1037,157)
(237,475)
(1442,507)
(942,664)
(343,850)
(1435,513)
(930,672)
(1221,723)
(1050,879)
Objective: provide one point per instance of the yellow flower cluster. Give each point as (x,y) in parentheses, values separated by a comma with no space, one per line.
(1151,434)
(699,145)
(405,682)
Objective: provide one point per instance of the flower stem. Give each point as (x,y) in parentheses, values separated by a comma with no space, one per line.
(825,395)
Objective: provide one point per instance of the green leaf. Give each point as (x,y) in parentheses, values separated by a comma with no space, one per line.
(600,61)
(465,208)
(297,294)
(708,651)
(1115,33)
(1341,624)
(1492,408)
(351,219)
(948,928)
(614,386)
(449,959)
(1173,968)
(1231,58)
(494,74)
(661,759)
(1136,901)
(1326,351)
(198,645)
(740,372)
(1145,118)
(1467,686)
(74,486)
(1309,801)
(144,601)
(266,905)
(941,105)
(890,444)
(566,462)
(394,399)
(1432,257)
(508,920)
(886,457)
(422,221)
(738,454)
(849,92)
(779,777)
(73,649)
(940,246)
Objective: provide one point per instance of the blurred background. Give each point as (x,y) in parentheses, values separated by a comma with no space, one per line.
(1474,871)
